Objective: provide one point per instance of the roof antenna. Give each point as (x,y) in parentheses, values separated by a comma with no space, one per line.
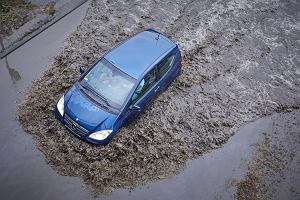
(157,36)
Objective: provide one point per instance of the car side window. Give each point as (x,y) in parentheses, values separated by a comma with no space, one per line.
(146,83)
(165,65)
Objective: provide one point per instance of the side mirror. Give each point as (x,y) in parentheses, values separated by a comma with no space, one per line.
(81,69)
(135,108)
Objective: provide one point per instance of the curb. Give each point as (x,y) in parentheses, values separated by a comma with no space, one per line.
(25,39)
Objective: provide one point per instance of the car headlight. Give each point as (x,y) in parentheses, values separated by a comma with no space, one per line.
(60,106)
(100,135)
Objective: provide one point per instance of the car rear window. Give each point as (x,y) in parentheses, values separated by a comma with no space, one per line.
(165,65)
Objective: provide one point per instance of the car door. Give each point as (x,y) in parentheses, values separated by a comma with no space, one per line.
(143,94)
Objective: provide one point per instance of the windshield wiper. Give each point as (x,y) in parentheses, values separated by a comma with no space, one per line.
(86,86)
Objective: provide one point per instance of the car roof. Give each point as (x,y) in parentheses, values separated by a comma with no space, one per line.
(137,53)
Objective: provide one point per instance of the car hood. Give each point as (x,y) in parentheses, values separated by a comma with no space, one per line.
(86,113)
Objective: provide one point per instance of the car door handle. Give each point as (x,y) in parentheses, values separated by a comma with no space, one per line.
(157,89)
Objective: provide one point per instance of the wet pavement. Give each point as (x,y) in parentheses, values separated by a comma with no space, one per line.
(273,167)
(39,15)
(24,172)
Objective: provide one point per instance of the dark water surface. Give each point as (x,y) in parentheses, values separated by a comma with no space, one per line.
(24,172)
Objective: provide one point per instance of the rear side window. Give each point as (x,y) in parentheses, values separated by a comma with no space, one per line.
(146,83)
(165,65)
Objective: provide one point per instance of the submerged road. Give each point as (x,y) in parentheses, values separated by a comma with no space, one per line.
(24,174)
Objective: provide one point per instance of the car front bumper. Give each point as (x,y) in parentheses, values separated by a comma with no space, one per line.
(85,138)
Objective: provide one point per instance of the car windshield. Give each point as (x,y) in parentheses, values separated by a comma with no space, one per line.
(110,83)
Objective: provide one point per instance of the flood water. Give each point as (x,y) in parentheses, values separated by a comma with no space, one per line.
(25,173)
(211,176)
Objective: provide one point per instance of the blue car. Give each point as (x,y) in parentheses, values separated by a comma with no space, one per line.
(118,86)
